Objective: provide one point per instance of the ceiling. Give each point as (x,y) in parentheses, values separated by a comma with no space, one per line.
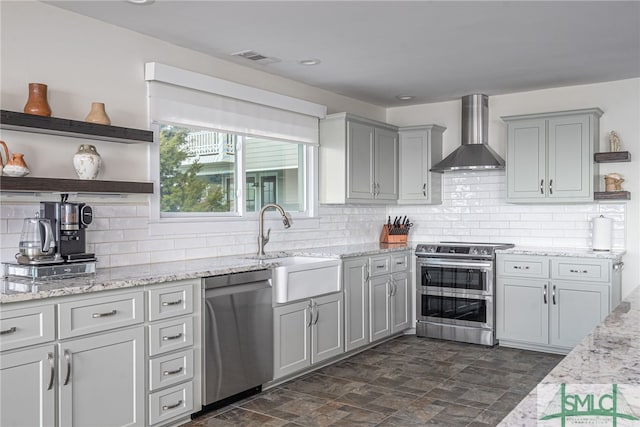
(376,50)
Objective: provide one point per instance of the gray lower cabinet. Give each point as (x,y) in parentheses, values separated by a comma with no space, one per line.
(101,379)
(28,387)
(420,149)
(550,156)
(355,273)
(552,303)
(307,332)
(390,301)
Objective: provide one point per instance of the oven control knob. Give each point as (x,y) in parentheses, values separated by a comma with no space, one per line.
(474,251)
(431,249)
(484,251)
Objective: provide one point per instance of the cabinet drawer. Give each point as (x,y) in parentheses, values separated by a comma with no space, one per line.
(380,265)
(170,369)
(170,302)
(170,403)
(170,335)
(580,269)
(399,262)
(522,265)
(27,326)
(100,314)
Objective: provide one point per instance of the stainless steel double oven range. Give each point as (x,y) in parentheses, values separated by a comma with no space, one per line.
(455,287)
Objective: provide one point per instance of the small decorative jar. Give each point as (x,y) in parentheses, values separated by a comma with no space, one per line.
(87,162)
(37,102)
(97,114)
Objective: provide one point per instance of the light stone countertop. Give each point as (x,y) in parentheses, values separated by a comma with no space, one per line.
(565,252)
(610,354)
(23,289)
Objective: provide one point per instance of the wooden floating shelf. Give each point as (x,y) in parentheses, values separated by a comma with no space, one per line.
(612,157)
(612,195)
(30,185)
(13,120)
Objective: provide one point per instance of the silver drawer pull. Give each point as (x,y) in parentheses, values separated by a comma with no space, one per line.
(176,302)
(172,337)
(519,267)
(578,271)
(177,371)
(175,405)
(107,314)
(379,266)
(399,263)
(11,330)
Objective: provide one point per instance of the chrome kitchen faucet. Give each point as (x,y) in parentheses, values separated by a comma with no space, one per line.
(262,239)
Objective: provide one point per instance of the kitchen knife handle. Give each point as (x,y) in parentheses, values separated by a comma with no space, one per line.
(544,295)
(542,186)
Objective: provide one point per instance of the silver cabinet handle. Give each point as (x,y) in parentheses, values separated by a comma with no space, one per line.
(315,305)
(395,289)
(67,357)
(366,272)
(175,405)
(618,266)
(424,189)
(380,266)
(551,187)
(578,271)
(310,308)
(542,186)
(553,295)
(176,371)
(11,330)
(399,262)
(544,295)
(107,314)
(172,337)
(167,303)
(52,366)
(519,267)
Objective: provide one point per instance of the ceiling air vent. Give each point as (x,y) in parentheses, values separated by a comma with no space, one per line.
(255,57)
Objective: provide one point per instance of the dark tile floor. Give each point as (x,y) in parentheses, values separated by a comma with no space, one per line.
(407,381)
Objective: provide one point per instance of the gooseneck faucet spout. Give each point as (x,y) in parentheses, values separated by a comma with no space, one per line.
(262,239)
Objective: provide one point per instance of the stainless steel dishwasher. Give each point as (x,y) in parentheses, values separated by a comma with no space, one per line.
(238,334)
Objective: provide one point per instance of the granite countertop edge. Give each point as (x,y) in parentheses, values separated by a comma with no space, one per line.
(14,289)
(615,254)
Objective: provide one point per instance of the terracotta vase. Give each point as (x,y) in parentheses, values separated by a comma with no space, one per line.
(97,114)
(37,102)
(6,156)
(87,162)
(16,166)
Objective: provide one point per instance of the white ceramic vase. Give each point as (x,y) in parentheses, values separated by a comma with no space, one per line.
(87,162)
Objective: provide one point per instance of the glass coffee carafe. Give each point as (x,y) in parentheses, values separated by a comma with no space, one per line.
(36,241)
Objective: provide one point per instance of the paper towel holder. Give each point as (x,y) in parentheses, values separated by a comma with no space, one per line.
(601,234)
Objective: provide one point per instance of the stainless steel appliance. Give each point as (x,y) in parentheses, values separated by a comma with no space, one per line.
(455,287)
(36,241)
(238,334)
(69,221)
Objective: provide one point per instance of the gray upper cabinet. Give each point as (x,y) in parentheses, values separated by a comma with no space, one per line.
(420,149)
(550,156)
(358,160)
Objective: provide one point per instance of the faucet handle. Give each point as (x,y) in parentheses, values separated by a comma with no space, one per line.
(266,238)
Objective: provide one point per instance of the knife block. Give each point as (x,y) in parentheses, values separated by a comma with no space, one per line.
(386,237)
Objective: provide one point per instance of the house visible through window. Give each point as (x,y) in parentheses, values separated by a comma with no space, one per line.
(198,170)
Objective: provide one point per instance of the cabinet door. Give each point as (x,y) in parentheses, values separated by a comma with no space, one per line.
(360,151)
(522,310)
(27,387)
(526,160)
(386,165)
(356,303)
(419,151)
(326,332)
(400,303)
(102,380)
(576,308)
(570,158)
(292,323)
(379,308)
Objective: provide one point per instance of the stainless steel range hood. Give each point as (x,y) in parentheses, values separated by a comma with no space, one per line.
(475,153)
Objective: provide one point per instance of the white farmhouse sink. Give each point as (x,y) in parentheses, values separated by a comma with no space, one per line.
(300,277)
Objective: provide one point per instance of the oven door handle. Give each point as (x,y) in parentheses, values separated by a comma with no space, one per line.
(463,264)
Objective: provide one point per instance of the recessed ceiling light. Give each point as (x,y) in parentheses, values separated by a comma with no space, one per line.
(309,61)
(141,2)
(404,97)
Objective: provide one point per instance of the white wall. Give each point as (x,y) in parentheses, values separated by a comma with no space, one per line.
(478,199)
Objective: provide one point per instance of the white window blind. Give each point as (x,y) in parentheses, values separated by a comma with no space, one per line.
(183,97)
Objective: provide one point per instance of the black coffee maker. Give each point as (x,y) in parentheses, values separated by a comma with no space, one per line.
(69,221)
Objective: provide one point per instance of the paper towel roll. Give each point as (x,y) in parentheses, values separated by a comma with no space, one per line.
(601,236)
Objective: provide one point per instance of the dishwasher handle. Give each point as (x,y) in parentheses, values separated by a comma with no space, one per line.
(233,280)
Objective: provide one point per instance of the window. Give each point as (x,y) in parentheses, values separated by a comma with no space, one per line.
(226,149)
(198,171)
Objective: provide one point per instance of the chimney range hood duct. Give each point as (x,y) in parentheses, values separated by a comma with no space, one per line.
(475,153)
